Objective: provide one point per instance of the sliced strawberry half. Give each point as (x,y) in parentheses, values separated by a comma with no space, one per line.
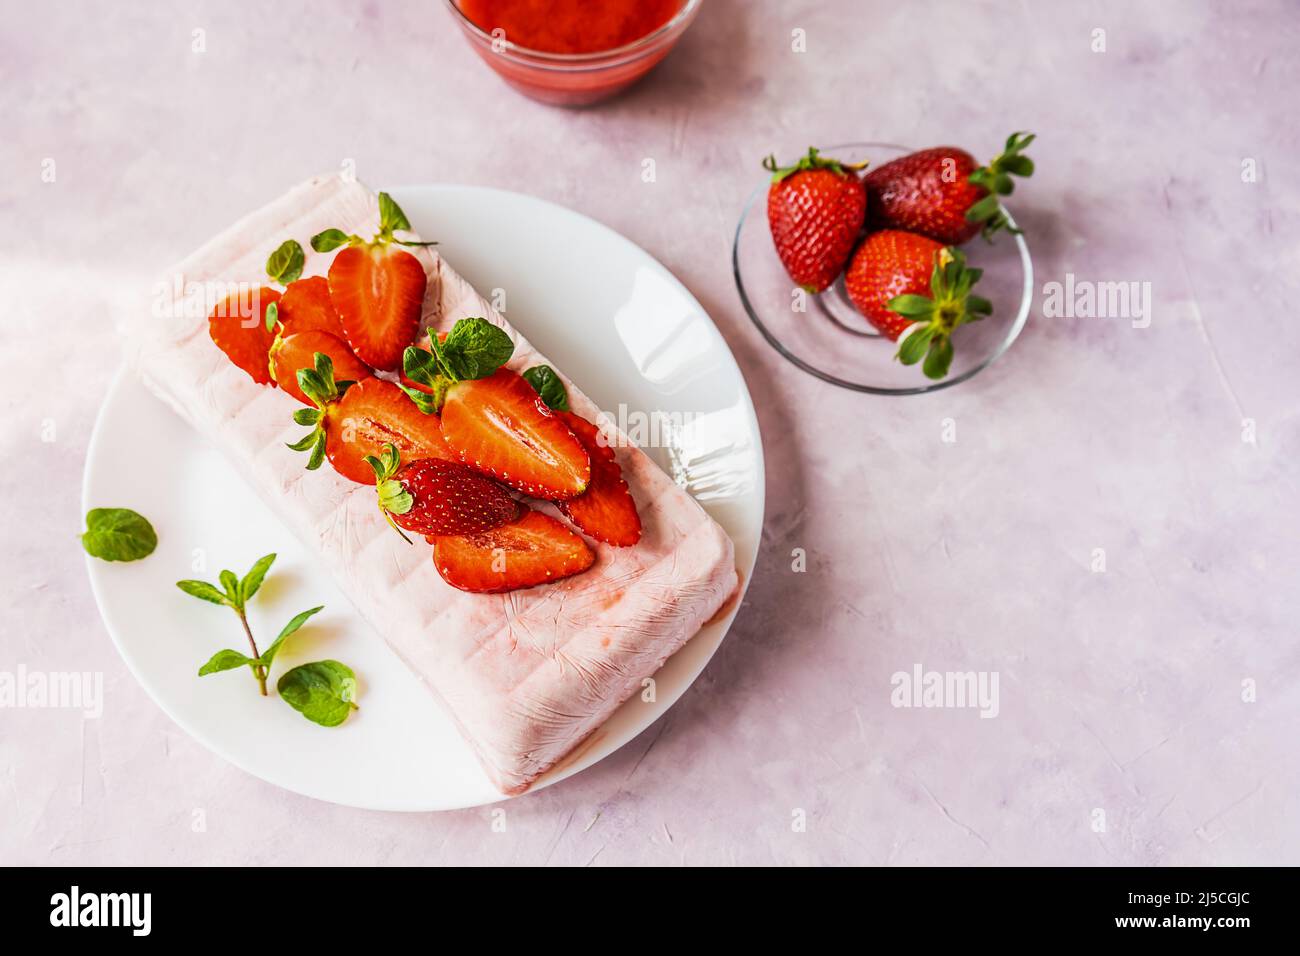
(533,549)
(606,510)
(379,293)
(238,327)
(500,427)
(376,287)
(373,413)
(306,306)
(289,353)
(351,421)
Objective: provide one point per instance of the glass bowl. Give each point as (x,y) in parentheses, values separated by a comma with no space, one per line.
(575,79)
(831,340)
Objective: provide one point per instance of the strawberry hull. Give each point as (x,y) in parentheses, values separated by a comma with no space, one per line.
(527,675)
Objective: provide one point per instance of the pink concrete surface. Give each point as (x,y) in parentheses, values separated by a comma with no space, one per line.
(1121,691)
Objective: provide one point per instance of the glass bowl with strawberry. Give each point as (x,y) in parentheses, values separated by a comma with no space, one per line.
(887,270)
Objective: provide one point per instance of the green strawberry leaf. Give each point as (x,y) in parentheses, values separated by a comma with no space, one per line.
(425,402)
(1019,165)
(394,498)
(226,660)
(939,358)
(324,691)
(911,306)
(914,346)
(386,465)
(306,441)
(118,534)
(982,210)
(272,316)
(995,179)
(313,386)
(549,386)
(813,160)
(317,452)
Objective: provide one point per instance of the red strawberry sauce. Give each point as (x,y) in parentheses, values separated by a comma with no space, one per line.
(571,26)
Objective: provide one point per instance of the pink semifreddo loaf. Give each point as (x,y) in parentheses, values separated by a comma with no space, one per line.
(525,675)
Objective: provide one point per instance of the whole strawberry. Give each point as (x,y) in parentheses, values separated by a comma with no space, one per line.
(815,208)
(432,496)
(910,285)
(941,193)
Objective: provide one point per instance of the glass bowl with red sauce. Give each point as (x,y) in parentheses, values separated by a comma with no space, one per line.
(573,52)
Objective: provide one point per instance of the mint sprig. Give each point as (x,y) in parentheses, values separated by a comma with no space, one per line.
(318,384)
(474,348)
(235,593)
(548,385)
(391,220)
(118,534)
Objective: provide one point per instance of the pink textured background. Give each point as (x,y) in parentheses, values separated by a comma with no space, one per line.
(1119,691)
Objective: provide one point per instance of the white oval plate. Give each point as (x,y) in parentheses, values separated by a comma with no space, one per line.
(608,314)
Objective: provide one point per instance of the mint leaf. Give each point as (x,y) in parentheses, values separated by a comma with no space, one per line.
(118,534)
(330,239)
(324,691)
(475,348)
(231,584)
(204,592)
(391,216)
(285,264)
(420,365)
(226,660)
(548,386)
(253,579)
(298,621)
